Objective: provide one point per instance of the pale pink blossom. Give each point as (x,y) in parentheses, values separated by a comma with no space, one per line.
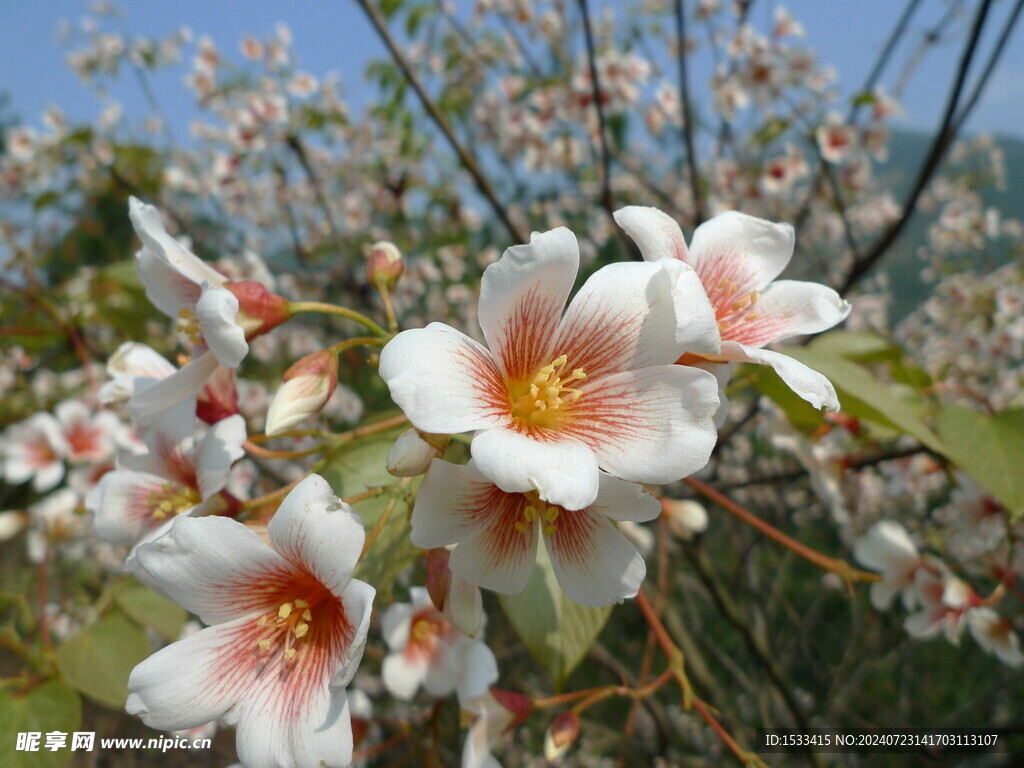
(888,549)
(35,450)
(737,258)
(996,635)
(287,628)
(557,397)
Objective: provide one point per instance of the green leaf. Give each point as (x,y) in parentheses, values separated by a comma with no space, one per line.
(52,706)
(557,631)
(98,660)
(860,346)
(802,415)
(150,609)
(862,395)
(990,448)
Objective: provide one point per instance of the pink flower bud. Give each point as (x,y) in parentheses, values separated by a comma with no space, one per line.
(259,310)
(561,735)
(384,264)
(413,451)
(307,386)
(518,705)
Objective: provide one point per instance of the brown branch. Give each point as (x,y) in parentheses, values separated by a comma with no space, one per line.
(944,137)
(482,184)
(687,115)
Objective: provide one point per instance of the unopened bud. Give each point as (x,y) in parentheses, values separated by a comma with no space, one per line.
(518,705)
(685,518)
(413,451)
(259,310)
(439,577)
(561,735)
(384,264)
(307,387)
(11,524)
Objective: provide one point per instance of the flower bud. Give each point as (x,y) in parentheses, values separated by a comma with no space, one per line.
(307,386)
(413,451)
(685,518)
(259,310)
(518,705)
(561,735)
(384,264)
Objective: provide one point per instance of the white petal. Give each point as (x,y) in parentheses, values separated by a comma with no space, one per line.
(499,557)
(403,676)
(593,562)
(620,501)
(167,289)
(745,250)
(395,625)
(453,502)
(464,607)
(214,567)
(622,318)
(477,669)
(146,406)
(170,441)
(218,450)
(357,600)
(790,308)
(317,530)
(135,359)
(656,234)
(120,507)
(444,381)
(276,731)
(216,310)
(522,296)
(149,226)
(805,382)
(696,323)
(564,471)
(187,684)
(654,425)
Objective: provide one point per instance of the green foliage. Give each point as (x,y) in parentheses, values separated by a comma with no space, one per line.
(557,631)
(98,660)
(52,706)
(989,447)
(151,610)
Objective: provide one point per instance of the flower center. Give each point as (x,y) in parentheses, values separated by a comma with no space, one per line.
(172,499)
(285,629)
(732,308)
(536,509)
(188,324)
(541,398)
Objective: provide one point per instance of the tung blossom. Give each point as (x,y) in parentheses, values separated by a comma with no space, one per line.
(738,258)
(556,397)
(219,315)
(496,533)
(177,475)
(35,450)
(287,628)
(888,549)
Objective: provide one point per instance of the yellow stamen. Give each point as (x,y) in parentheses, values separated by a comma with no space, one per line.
(540,398)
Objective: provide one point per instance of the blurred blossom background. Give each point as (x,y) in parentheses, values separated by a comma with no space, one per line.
(282,143)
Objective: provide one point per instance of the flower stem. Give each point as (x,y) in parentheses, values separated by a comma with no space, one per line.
(299,307)
(841,567)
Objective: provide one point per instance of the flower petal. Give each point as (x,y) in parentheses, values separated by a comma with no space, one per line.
(316,530)
(622,318)
(453,502)
(656,234)
(166,288)
(804,381)
(357,600)
(564,471)
(149,226)
(146,406)
(789,308)
(522,296)
(622,501)
(743,252)
(216,310)
(499,558)
(120,505)
(214,567)
(444,381)
(403,675)
(593,562)
(187,684)
(219,449)
(654,425)
(696,323)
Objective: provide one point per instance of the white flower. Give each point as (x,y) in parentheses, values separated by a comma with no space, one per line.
(176,476)
(411,455)
(738,258)
(35,449)
(995,634)
(556,397)
(287,630)
(887,548)
(426,650)
(944,601)
(496,533)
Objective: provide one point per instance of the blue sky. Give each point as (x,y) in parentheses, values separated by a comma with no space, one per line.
(335,36)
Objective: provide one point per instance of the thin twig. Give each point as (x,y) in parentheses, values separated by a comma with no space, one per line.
(687,115)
